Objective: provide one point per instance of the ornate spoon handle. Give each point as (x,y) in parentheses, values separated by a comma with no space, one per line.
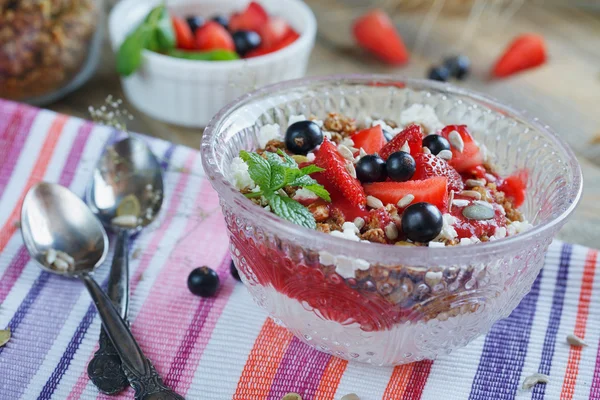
(139,370)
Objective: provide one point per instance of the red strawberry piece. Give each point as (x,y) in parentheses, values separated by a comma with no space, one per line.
(213,36)
(261,50)
(470,157)
(274,31)
(428,166)
(514,187)
(370,140)
(433,190)
(183,34)
(251,19)
(375,32)
(526,51)
(413,134)
(338,201)
(334,165)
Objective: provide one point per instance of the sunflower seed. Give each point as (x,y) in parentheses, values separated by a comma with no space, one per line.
(4,336)
(534,379)
(471,193)
(362,152)
(460,202)
(359,222)
(345,152)
(575,341)
(60,265)
(475,182)
(351,396)
(50,256)
(405,201)
(374,202)
(65,257)
(445,155)
(456,141)
(350,169)
(391,231)
(405,147)
(426,150)
(125,221)
(451,199)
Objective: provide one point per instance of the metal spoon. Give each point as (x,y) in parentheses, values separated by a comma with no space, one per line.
(54,220)
(126,194)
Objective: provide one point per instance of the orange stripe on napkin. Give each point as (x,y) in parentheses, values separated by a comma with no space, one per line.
(585,296)
(331,379)
(263,361)
(37,174)
(398,381)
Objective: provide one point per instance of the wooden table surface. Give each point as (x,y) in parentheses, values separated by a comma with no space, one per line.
(565,93)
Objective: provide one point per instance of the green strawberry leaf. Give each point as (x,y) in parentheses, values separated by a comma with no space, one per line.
(292,211)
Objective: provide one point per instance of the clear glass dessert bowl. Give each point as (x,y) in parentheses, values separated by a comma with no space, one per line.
(405,303)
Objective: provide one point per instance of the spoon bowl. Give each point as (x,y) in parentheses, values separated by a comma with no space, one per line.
(127,181)
(44,228)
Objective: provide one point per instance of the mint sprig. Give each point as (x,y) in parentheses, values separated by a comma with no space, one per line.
(154,33)
(273,172)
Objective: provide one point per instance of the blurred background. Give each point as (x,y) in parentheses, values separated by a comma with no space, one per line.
(564,92)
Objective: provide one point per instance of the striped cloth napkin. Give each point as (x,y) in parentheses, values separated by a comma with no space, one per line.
(226,347)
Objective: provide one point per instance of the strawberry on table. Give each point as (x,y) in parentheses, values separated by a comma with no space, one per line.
(334,165)
(470,156)
(429,166)
(370,140)
(251,19)
(413,134)
(376,33)
(183,34)
(526,51)
(433,190)
(214,36)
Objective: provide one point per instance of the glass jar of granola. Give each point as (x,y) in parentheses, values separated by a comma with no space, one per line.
(47,47)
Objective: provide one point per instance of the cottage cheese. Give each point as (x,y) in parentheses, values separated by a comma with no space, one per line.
(345,266)
(305,194)
(517,227)
(267,133)
(350,232)
(448,232)
(239,176)
(421,114)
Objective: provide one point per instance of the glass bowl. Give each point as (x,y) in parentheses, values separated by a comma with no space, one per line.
(406,303)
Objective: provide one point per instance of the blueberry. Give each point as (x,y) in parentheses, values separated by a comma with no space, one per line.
(234,272)
(436,143)
(371,168)
(303,136)
(203,281)
(388,135)
(422,222)
(400,166)
(221,20)
(195,22)
(245,41)
(440,73)
(459,66)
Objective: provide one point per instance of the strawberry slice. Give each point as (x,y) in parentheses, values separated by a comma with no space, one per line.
(470,157)
(214,36)
(428,166)
(376,33)
(183,34)
(262,50)
(514,187)
(274,31)
(251,19)
(433,190)
(334,164)
(526,51)
(413,134)
(370,140)
(338,201)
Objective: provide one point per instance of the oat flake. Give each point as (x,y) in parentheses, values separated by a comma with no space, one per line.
(534,379)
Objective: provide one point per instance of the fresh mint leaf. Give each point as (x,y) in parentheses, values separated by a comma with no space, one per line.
(311,169)
(288,161)
(259,169)
(291,210)
(319,190)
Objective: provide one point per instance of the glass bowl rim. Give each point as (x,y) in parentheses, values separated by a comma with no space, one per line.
(270,222)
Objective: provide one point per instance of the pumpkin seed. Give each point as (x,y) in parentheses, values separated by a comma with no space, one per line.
(130,205)
(478,212)
(292,396)
(351,396)
(4,336)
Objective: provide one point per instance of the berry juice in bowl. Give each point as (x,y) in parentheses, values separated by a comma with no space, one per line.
(386,220)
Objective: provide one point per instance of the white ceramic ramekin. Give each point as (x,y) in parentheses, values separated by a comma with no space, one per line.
(189,93)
